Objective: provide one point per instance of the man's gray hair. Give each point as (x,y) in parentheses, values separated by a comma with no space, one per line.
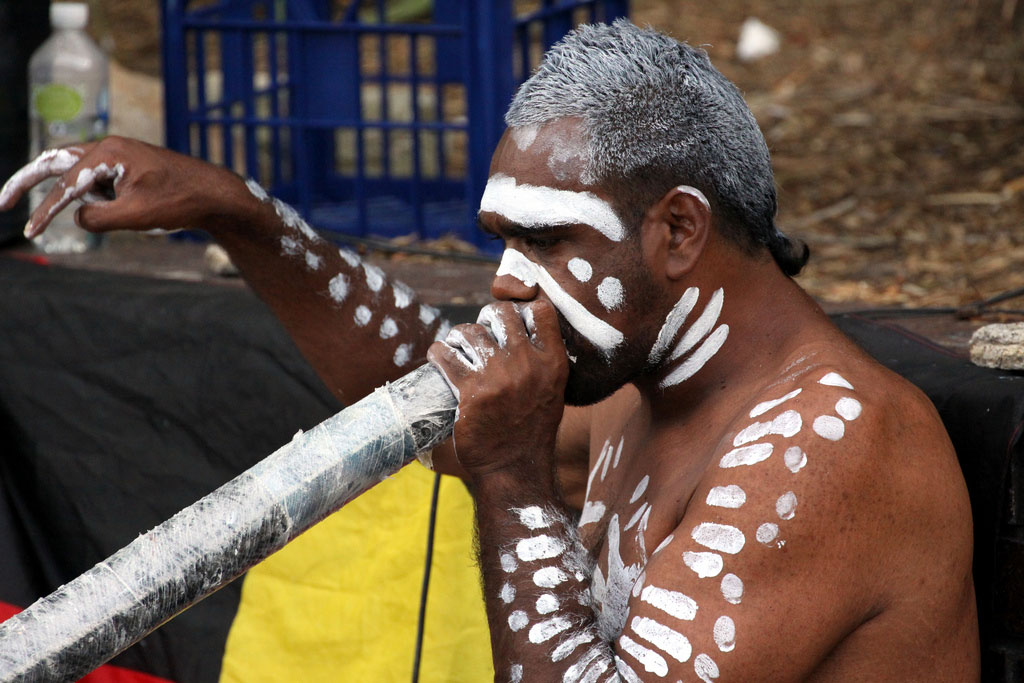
(657,114)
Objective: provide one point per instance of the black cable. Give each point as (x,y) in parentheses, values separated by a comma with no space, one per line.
(426,579)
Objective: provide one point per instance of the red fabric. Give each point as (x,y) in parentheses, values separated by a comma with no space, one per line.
(104,674)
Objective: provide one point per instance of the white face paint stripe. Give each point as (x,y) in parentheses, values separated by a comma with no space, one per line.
(593,511)
(569,645)
(640,488)
(721,537)
(702,355)
(670,602)
(848,408)
(829,427)
(535,207)
(600,333)
(732,589)
(651,660)
(795,459)
(725,634)
(834,379)
(669,641)
(785,506)
(787,424)
(610,293)
(731,496)
(746,455)
(580,269)
(539,548)
(618,452)
(705,565)
(663,544)
(636,517)
(762,408)
(673,321)
(701,326)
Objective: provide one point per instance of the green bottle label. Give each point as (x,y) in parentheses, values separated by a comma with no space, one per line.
(57,102)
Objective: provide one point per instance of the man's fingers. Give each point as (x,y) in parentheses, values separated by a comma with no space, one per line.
(540,315)
(52,162)
(79,181)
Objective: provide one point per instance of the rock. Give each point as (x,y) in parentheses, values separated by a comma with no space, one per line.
(1000,345)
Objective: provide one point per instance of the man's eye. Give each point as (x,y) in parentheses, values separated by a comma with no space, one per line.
(540,243)
(494,238)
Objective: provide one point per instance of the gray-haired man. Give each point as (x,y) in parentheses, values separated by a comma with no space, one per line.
(762,500)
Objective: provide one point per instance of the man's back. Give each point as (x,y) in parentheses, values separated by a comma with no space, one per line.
(827,529)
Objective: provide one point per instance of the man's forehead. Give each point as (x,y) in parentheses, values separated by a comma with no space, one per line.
(551,154)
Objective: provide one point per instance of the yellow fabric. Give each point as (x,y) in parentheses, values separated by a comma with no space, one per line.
(340,603)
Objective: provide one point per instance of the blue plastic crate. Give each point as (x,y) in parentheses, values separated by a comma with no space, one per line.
(372,117)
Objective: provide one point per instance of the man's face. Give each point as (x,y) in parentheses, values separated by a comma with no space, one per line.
(563,242)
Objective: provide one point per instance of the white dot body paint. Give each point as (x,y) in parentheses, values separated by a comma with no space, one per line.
(597,331)
(705,565)
(700,357)
(705,668)
(720,537)
(652,661)
(290,246)
(515,673)
(834,379)
(350,257)
(403,354)
(670,641)
(313,261)
(725,634)
(533,517)
(746,455)
(785,506)
(388,328)
(257,190)
(593,511)
(762,408)
(848,408)
(547,603)
(428,314)
(636,517)
(610,293)
(363,315)
(374,277)
(546,630)
(508,563)
(533,206)
(731,496)
(663,544)
(338,288)
(701,326)
(567,646)
(539,548)
(732,589)
(670,602)
(442,331)
(829,427)
(795,459)
(673,321)
(403,295)
(290,217)
(549,577)
(787,424)
(508,593)
(518,620)
(580,269)
(767,532)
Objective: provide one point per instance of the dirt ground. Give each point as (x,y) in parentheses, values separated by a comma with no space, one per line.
(896,129)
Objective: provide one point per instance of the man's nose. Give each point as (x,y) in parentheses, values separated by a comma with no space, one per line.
(511,288)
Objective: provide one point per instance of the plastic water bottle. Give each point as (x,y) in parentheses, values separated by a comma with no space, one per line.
(68,104)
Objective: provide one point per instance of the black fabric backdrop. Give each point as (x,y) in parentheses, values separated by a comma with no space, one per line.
(125,399)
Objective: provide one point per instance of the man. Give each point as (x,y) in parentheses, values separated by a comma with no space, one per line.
(762,502)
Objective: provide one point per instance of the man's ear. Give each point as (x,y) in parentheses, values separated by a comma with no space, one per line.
(680,223)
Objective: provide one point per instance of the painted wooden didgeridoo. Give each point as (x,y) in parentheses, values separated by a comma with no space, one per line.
(84,623)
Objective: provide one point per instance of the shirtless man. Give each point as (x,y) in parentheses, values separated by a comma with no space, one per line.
(763,501)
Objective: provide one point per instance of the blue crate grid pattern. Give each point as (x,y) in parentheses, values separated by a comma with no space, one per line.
(372,117)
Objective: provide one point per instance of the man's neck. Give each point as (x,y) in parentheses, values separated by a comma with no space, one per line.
(763,313)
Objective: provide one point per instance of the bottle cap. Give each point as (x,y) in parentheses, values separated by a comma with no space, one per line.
(69,15)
